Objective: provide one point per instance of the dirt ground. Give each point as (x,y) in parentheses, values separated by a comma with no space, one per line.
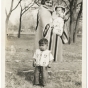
(19,70)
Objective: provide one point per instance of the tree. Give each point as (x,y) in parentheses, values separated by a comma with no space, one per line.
(74,16)
(9,14)
(78,17)
(22,11)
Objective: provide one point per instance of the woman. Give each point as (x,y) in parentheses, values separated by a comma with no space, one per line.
(44,17)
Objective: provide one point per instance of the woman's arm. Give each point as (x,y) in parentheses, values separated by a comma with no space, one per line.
(46,30)
(37,20)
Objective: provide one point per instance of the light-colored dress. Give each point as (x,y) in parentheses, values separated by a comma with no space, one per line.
(44,18)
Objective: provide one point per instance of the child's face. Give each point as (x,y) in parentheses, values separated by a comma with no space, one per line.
(43,47)
(59,11)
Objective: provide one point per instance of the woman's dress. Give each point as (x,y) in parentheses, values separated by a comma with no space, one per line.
(44,18)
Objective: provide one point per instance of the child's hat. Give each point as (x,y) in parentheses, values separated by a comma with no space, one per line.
(60,6)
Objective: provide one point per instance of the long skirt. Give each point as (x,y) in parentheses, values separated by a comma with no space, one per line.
(55,45)
(40,75)
(44,18)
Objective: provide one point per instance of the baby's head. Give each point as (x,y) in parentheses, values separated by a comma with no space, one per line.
(43,44)
(60,10)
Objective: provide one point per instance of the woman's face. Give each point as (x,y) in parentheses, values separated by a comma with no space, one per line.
(49,3)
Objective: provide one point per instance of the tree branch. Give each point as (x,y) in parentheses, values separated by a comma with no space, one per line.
(27,8)
(36,3)
(6,12)
(78,4)
(16,5)
(66,4)
(69,1)
(79,14)
(67,12)
(11,7)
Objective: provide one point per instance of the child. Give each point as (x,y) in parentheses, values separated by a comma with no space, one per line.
(58,21)
(42,59)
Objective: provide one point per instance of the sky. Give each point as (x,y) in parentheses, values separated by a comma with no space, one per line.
(16,13)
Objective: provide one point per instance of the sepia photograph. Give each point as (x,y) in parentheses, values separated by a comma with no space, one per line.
(44,43)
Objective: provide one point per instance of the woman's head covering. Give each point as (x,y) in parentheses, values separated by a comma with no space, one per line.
(43,1)
(50,8)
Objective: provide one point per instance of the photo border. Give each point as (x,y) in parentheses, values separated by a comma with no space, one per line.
(84,45)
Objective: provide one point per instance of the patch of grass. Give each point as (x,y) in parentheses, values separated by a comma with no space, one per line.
(66,74)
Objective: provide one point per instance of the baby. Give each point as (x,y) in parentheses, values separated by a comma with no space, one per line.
(58,21)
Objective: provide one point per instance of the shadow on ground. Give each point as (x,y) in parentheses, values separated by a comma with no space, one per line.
(28,75)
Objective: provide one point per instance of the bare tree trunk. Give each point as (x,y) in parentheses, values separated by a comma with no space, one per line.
(21,13)
(73,18)
(6,28)
(72,31)
(20,24)
(75,36)
(75,31)
(8,16)
(6,24)
(70,37)
(73,25)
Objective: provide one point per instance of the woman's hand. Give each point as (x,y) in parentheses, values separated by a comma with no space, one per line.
(46,30)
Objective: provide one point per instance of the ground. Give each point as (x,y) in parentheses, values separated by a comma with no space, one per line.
(19,70)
